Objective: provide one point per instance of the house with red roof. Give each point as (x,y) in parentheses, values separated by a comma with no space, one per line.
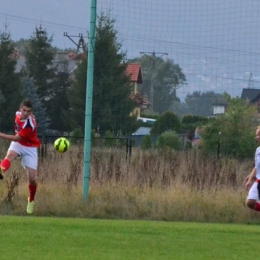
(133,70)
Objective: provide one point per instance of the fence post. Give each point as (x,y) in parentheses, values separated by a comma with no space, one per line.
(218,152)
(126,146)
(43,147)
(130,148)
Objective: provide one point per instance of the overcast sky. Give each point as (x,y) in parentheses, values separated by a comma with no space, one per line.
(216,42)
(56,16)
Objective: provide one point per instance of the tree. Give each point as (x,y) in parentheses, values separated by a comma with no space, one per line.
(10,85)
(39,55)
(30,92)
(200,103)
(163,77)
(112,105)
(179,108)
(168,121)
(190,122)
(77,98)
(58,104)
(51,82)
(233,132)
(22,45)
(170,78)
(169,139)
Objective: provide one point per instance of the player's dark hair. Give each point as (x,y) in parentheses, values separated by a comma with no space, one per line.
(27,103)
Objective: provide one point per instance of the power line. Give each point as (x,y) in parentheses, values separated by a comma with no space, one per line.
(218,77)
(140,37)
(133,37)
(33,21)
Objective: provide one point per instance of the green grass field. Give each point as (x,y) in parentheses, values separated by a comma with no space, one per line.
(68,238)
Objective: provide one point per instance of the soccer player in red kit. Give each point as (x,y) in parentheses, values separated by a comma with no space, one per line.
(24,144)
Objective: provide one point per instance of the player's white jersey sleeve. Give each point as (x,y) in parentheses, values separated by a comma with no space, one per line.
(257,162)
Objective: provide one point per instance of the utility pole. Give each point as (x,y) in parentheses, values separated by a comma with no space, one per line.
(152,57)
(81,43)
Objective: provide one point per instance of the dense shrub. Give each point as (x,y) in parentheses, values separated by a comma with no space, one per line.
(190,122)
(76,136)
(109,139)
(146,142)
(169,139)
(166,122)
(233,132)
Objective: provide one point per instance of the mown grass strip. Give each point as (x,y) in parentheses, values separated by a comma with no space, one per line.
(72,238)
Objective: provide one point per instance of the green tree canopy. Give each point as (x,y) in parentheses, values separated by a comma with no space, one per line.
(169,139)
(190,122)
(77,98)
(58,105)
(21,45)
(112,87)
(30,92)
(168,121)
(161,79)
(200,103)
(39,55)
(10,84)
(234,131)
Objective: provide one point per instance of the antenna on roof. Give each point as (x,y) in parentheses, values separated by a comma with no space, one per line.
(251,81)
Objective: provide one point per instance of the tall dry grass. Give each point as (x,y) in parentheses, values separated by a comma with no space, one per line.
(155,185)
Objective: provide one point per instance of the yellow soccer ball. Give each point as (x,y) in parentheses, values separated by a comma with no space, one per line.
(62,145)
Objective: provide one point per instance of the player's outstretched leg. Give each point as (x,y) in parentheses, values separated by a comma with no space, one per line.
(4,166)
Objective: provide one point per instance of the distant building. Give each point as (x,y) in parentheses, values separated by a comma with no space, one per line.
(59,57)
(147,120)
(253,95)
(142,131)
(134,71)
(219,106)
